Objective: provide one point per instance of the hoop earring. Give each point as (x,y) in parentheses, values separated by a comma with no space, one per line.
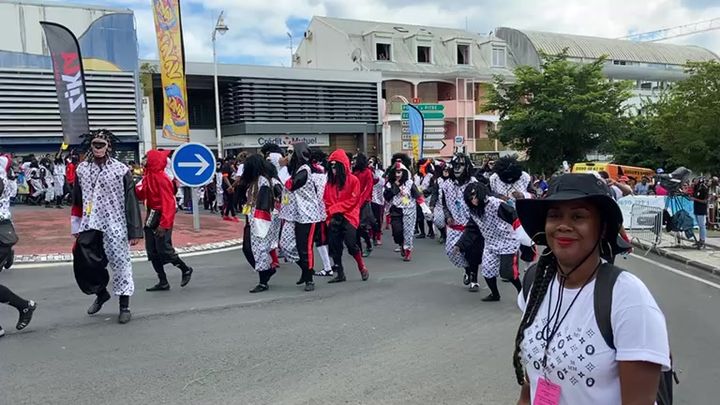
(548,251)
(536,235)
(609,248)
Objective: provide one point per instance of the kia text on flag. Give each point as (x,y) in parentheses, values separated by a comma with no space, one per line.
(193,164)
(168,28)
(69,81)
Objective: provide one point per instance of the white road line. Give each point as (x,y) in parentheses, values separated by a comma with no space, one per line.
(22,266)
(678,272)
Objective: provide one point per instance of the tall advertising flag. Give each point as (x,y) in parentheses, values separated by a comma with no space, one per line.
(69,81)
(416,126)
(168,29)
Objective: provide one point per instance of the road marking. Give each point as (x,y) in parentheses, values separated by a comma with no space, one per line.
(134,259)
(678,272)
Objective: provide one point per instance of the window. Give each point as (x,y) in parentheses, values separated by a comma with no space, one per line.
(463,54)
(382,52)
(423,54)
(498,56)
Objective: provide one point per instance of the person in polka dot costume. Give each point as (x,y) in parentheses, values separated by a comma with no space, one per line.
(105,216)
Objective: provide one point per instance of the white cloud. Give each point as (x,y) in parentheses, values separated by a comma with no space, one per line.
(258,27)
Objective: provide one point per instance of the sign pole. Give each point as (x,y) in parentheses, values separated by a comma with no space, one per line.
(196,208)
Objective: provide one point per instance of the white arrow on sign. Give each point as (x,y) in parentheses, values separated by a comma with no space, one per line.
(433,145)
(434,136)
(201,164)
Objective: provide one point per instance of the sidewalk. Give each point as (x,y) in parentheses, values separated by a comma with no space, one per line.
(707,259)
(44,234)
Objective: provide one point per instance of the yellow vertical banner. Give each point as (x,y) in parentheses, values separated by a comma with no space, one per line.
(168,29)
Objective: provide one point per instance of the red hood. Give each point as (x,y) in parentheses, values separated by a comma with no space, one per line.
(340,156)
(157,160)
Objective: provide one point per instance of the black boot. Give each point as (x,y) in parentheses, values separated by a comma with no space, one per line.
(339,275)
(309,283)
(495,294)
(262,286)
(125,315)
(26,315)
(102,298)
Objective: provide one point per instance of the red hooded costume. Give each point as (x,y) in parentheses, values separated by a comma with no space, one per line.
(345,201)
(156,189)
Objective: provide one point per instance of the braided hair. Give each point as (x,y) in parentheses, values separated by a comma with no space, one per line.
(103,134)
(546,270)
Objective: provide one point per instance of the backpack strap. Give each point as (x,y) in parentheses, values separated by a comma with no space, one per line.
(604,282)
(528,280)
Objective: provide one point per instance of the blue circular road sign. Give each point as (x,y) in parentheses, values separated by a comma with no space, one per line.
(193,164)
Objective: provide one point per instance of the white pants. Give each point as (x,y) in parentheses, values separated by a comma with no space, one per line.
(117,251)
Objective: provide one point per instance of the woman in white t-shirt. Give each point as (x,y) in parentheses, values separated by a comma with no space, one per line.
(560,355)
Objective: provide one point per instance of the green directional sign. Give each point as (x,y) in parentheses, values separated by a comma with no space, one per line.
(426,107)
(428,115)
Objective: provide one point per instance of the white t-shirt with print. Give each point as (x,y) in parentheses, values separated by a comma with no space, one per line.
(579,360)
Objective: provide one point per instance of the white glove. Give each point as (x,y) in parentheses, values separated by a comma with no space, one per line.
(426,212)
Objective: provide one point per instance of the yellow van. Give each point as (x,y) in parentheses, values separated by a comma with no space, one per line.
(615,171)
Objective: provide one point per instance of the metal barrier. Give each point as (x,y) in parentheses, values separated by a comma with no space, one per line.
(646,225)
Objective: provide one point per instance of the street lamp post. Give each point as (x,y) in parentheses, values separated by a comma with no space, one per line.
(291,48)
(220,28)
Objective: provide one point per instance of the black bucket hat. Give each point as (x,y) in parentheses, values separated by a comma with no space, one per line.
(570,187)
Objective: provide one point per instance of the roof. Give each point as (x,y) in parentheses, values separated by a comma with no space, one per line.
(404,61)
(361,27)
(586,47)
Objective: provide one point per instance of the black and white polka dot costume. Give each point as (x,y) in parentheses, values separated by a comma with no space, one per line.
(104,200)
(438,213)
(405,201)
(264,225)
(288,245)
(500,237)
(452,202)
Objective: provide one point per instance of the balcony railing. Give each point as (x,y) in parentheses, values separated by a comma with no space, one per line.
(459,108)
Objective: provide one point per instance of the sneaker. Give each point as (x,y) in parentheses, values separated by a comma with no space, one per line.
(366,253)
(26,315)
(186,276)
(441,240)
(398,250)
(339,278)
(124,317)
(309,286)
(474,287)
(365,274)
(431,236)
(421,236)
(491,298)
(466,279)
(235,219)
(226,219)
(259,288)
(407,256)
(159,287)
(325,273)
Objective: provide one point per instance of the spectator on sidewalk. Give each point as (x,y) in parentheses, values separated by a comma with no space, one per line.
(700,207)
(642,188)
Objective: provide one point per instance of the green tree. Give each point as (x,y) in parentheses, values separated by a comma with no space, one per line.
(638,145)
(687,124)
(560,112)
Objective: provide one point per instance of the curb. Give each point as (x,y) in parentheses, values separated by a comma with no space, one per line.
(678,258)
(53,258)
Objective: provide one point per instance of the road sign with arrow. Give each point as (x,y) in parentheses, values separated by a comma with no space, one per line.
(193,164)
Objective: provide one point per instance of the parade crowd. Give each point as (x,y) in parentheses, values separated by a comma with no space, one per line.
(494,221)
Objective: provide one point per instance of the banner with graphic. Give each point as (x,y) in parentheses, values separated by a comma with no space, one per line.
(168,29)
(416,126)
(69,81)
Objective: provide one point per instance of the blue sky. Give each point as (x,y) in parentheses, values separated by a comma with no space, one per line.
(258,28)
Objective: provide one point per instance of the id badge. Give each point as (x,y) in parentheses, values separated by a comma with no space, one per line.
(405,200)
(88,208)
(246,209)
(546,393)
(285,199)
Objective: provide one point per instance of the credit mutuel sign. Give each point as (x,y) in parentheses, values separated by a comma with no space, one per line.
(257,141)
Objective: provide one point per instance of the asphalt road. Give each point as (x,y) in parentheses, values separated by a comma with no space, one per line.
(410,335)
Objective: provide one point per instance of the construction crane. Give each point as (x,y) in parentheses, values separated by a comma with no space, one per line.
(674,32)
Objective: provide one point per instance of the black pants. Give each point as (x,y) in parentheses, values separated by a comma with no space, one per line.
(378,211)
(160,252)
(304,237)
(397,225)
(10,298)
(421,223)
(321,234)
(228,206)
(339,233)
